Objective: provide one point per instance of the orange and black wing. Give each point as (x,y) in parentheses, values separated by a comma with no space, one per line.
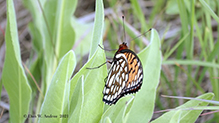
(125,76)
(135,72)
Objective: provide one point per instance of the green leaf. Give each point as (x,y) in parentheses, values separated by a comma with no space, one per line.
(172,8)
(57,96)
(191,62)
(176,117)
(98,27)
(143,104)
(65,37)
(187,116)
(78,96)
(83,36)
(92,106)
(107,120)
(210,11)
(116,112)
(13,76)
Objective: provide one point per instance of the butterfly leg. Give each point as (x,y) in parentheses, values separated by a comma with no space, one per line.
(100,65)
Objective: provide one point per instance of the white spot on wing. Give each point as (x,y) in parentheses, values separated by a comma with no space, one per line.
(126,77)
(105,97)
(140,77)
(117,66)
(139,63)
(120,81)
(123,84)
(111,99)
(123,75)
(114,67)
(120,55)
(104,90)
(126,68)
(123,64)
(132,83)
(111,80)
(107,91)
(119,91)
(121,69)
(116,94)
(117,78)
(108,97)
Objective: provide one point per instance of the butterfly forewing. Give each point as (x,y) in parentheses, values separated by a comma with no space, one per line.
(125,76)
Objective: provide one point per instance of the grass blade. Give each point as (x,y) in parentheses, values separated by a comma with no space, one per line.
(187,116)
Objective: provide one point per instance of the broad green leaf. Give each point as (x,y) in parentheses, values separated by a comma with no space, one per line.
(98,26)
(176,117)
(143,104)
(57,96)
(65,35)
(77,103)
(187,116)
(83,36)
(92,107)
(116,112)
(107,120)
(13,76)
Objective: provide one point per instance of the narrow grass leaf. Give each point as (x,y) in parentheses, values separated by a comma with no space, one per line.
(191,62)
(176,46)
(187,116)
(210,11)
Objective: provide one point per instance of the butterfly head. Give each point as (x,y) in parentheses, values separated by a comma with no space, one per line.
(122,46)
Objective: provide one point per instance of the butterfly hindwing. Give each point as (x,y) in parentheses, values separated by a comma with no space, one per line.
(116,80)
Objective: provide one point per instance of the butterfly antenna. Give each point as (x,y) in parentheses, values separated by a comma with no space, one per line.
(124,36)
(141,34)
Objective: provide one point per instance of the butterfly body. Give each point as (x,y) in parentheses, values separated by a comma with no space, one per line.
(125,75)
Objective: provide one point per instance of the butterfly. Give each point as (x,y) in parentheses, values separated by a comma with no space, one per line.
(125,75)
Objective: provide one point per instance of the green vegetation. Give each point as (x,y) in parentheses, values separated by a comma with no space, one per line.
(180,59)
